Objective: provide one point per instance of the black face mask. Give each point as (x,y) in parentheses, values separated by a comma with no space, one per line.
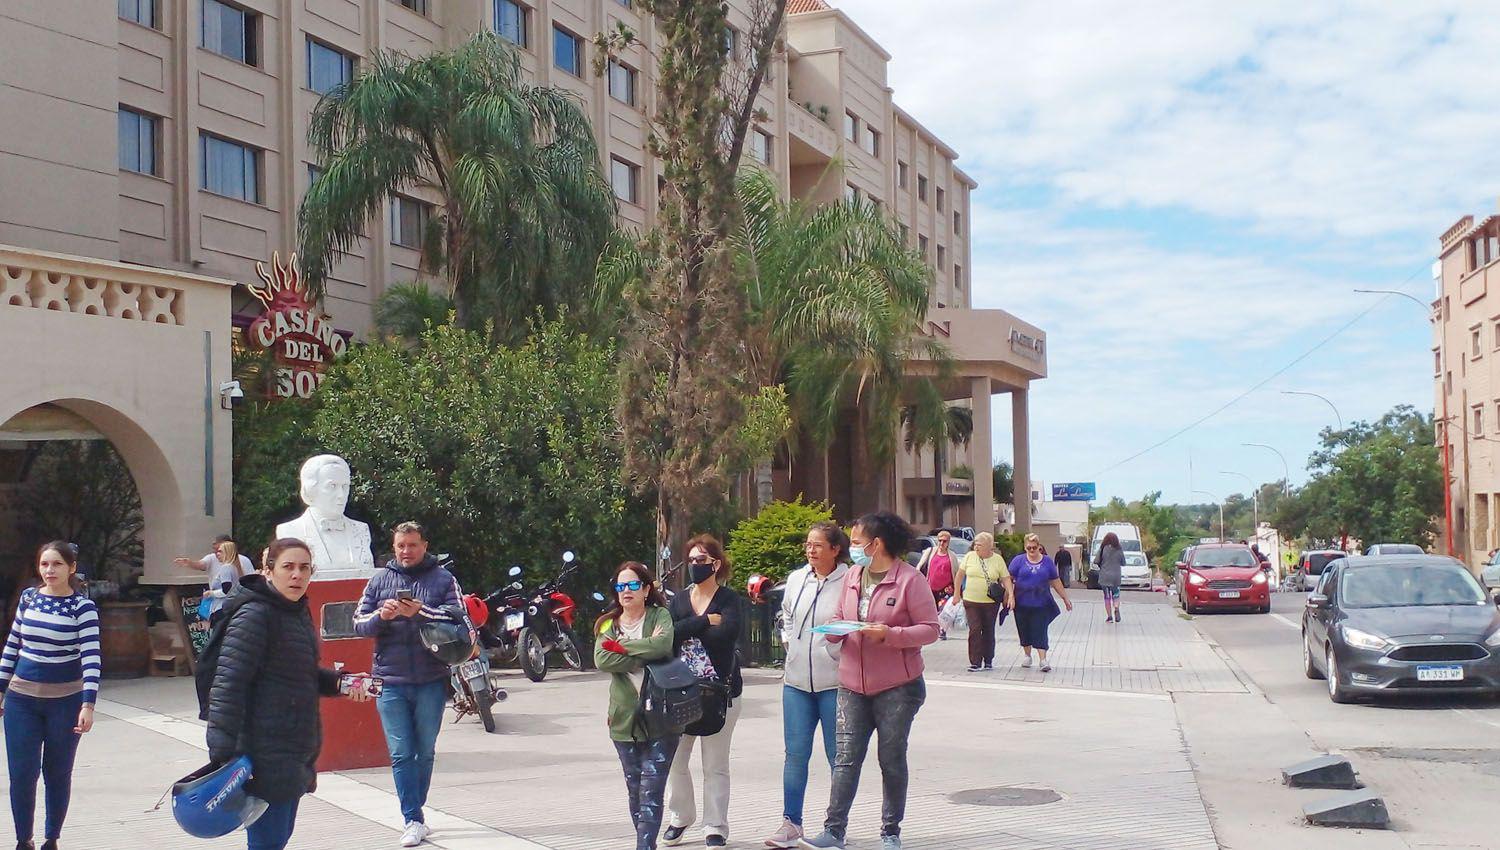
(699,573)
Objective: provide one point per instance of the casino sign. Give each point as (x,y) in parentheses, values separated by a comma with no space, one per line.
(293,327)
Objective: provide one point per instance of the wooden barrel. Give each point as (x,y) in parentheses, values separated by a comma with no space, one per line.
(124,643)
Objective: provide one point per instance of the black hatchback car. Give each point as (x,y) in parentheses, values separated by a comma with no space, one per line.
(1400,623)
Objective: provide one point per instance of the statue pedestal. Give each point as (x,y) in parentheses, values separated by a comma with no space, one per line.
(352,734)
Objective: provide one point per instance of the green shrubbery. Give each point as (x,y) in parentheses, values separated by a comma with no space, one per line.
(770,543)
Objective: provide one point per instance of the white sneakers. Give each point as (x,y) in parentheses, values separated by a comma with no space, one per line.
(416,832)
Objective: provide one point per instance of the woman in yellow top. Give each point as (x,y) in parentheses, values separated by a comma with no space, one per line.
(971,583)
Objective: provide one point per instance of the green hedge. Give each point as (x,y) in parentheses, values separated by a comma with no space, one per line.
(770,543)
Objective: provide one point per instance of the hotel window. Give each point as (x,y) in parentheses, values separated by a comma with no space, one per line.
(1437,363)
(230,31)
(901,174)
(732,43)
(510,22)
(1495,330)
(871,142)
(942,260)
(922,246)
(140,139)
(921,188)
(143,12)
(958,276)
(327,68)
(1476,343)
(941,196)
(622,82)
(567,51)
(905,234)
(851,127)
(760,146)
(625,179)
(1477,427)
(313,173)
(418,6)
(409,219)
(851,193)
(958,223)
(229,168)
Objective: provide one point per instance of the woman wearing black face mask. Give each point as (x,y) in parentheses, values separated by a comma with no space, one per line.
(708,614)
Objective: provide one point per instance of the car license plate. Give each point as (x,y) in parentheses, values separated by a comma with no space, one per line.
(514,620)
(1440,674)
(471,669)
(1229,594)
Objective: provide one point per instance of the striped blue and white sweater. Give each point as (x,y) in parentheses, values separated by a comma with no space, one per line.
(54,640)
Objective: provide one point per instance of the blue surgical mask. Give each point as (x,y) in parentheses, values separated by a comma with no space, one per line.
(858,556)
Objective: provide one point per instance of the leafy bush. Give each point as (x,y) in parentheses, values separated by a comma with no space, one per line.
(507,455)
(770,543)
(1010,545)
(271,440)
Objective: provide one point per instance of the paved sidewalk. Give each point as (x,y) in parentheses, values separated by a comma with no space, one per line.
(1113,757)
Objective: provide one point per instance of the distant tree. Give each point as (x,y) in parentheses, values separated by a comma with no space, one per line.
(406,310)
(1004,481)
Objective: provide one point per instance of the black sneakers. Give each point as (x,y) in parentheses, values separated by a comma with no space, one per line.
(714,841)
(673,835)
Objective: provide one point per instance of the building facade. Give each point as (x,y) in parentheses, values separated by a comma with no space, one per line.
(1466,380)
(176,140)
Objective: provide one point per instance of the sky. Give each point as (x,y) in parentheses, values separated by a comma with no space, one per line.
(1185,196)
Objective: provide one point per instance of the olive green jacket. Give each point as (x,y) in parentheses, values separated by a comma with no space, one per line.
(624,699)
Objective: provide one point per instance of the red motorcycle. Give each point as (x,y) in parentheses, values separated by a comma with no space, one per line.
(525,626)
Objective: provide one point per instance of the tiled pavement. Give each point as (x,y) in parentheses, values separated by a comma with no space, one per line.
(1100,732)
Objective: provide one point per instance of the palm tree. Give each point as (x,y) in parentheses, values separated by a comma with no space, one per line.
(524,209)
(406,310)
(955,428)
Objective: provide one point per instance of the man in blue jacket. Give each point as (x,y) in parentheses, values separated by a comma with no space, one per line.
(399,598)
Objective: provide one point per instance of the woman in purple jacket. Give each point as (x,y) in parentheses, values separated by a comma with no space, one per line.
(1036,579)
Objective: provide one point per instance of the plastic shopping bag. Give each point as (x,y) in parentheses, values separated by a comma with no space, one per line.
(952,618)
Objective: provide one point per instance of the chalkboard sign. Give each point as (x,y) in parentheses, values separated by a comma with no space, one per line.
(195,625)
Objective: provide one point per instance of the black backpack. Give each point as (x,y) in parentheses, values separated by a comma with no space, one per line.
(208,661)
(671,699)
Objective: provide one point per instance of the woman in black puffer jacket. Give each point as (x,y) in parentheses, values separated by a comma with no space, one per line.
(264,700)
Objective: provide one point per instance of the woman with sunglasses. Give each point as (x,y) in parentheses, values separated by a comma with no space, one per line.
(709,613)
(1036,579)
(634,629)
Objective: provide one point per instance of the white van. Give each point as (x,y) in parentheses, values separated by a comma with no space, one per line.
(1130,538)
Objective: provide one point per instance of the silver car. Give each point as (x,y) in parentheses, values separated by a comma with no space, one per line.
(1136,572)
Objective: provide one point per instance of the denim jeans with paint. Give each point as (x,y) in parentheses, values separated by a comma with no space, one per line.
(412,716)
(802,712)
(646,765)
(888,714)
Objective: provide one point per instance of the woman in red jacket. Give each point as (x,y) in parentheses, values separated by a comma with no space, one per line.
(880,672)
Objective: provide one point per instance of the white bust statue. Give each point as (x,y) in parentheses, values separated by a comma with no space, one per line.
(340,546)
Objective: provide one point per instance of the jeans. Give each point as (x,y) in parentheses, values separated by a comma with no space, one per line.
(981,616)
(272,830)
(890,714)
(682,808)
(802,712)
(646,765)
(40,742)
(412,716)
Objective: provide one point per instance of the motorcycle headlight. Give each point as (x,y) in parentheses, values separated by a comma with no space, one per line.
(1194,578)
(1259,578)
(1364,640)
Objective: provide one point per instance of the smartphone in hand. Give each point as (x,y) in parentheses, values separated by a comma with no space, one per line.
(404,595)
(351,682)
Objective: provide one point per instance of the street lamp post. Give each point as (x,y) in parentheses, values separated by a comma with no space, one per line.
(1254,501)
(1336,414)
(1222,534)
(1286,471)
(1443,387)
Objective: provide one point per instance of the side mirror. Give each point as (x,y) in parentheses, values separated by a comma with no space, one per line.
(1180,565)
(515,571)
(515,585)
(568,557)
(1317,600)
(598,597)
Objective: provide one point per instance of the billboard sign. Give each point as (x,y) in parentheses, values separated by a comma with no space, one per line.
(1083,491)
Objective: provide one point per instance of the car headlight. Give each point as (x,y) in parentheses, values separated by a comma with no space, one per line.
(1259,578)
(1493,640)
(1194,578)
(1364,640)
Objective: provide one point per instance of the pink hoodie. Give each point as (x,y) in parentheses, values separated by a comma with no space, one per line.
(903,601)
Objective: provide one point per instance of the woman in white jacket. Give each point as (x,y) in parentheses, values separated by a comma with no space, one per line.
(809,694)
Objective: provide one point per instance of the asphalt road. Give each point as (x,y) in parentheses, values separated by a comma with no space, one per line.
(1435,759)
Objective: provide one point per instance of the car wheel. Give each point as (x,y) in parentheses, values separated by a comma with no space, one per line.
(1309,666)
(1336,690)
(1264,609)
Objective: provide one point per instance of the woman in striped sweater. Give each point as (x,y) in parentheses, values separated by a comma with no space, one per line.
(49,675)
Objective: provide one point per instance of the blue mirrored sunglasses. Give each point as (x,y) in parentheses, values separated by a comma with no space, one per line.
(627,585)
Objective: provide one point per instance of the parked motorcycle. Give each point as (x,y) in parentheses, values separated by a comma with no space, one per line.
(524,626)
(468,670)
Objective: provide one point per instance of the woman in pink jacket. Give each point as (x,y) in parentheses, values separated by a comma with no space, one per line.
(880,672)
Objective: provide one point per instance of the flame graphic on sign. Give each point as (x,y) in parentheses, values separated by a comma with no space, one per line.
(284,285)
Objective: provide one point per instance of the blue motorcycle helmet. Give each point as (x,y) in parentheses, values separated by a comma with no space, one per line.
(212,802)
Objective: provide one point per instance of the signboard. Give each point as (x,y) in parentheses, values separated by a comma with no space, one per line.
(1026,345)
(957,487)
(195,626)
(1083,491)
(294,328)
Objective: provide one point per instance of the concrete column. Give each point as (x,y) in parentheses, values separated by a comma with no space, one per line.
(981,456)
(1020,427)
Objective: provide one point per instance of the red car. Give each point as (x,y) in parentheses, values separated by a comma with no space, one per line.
(1216,576)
